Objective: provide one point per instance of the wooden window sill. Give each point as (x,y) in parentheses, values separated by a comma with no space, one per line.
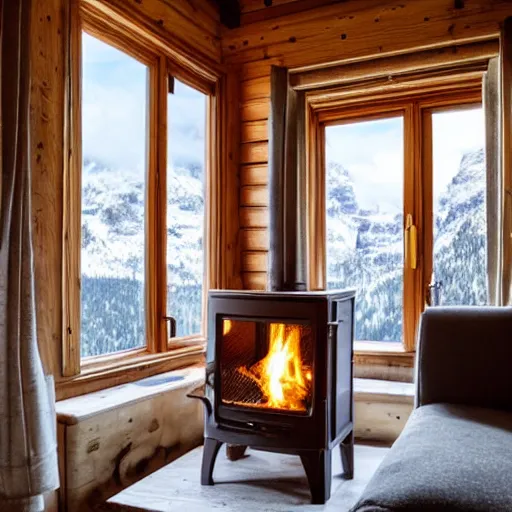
(374,390)
(76,409)
(382,353)
(105,372)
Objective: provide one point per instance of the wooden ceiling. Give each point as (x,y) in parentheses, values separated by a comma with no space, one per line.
(257,10)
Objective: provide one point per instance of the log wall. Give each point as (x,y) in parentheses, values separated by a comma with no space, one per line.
(343,32)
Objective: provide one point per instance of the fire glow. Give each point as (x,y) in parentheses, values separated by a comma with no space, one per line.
(280,375)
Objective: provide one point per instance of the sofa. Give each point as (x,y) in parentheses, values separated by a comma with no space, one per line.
(455,452)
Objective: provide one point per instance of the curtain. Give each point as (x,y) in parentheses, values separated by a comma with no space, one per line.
(497,89)
(491,101)
(28,452)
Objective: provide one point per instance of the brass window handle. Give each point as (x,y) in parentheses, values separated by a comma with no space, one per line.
(411,242)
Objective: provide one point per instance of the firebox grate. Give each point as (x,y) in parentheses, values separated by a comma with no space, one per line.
(240,389)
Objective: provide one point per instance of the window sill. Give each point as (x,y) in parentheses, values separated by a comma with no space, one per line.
(77,409)
(382,353)
(104,373)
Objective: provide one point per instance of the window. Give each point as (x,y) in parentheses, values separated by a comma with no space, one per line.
(364,215)
(136,216)
(114,173)
(186,207)
(459,264)
(115,216)
(401,206)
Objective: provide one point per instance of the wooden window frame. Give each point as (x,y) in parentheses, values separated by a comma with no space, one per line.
(163,60)
(365,90)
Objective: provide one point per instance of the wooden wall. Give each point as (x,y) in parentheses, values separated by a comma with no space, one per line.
(180,21)
(343,32)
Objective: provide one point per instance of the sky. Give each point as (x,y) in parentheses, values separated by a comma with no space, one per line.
(114,111)
(372,152)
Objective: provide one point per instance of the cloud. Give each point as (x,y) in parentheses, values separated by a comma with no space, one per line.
(454,134)
(372,152)
(115,111)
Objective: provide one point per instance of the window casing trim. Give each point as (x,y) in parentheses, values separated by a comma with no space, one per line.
(415,101)
(160,354)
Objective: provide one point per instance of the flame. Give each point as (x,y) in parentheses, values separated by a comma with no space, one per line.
(280,374)
(227,325)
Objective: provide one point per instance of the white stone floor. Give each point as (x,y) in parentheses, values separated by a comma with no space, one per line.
(260,482)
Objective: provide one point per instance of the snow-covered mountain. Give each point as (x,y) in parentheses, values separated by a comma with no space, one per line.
(112,256)
(365,249)
(113,223)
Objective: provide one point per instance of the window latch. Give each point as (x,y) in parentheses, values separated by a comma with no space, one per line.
(172,326)
(411,242)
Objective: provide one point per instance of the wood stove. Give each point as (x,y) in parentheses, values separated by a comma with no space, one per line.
(279,378)
(279,363)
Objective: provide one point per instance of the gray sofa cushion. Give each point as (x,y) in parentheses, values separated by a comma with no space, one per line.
(464,356)
(448,458)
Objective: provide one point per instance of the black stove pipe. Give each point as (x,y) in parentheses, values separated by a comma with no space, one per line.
(287,181)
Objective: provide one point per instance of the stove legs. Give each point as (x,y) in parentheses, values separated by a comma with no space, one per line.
(235,452)
(210,451)
(347,456)
(317,464)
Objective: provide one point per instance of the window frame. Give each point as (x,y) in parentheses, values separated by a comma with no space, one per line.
(160,353)
(415,96)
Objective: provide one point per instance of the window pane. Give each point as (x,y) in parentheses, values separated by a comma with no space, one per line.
(459,207)
(185,207)
(113,190)
(364,201)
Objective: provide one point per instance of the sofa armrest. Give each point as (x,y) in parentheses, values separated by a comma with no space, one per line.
(464,356)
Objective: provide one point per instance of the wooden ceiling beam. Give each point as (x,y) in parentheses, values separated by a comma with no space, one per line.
(271,9)
(229,12)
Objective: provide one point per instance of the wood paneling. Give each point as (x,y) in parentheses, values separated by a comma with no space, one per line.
(47,150)
(253,175)
(254,153)
(253,217)
(255,280)
(358,29)
(223,238)
(255,89)
(258,5)
(254,240)
(255,10)
(397,65)
(254,131)
(255,110)
(107,443)
(254,195)
(178,21)
(254,261)
(258,68)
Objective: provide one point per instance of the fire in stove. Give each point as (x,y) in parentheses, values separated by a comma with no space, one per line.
(281,376)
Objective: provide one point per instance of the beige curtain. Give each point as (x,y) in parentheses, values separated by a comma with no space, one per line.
(28,455)
(498,120)
(492,109)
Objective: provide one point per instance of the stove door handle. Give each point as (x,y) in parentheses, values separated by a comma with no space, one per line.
(207,404)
